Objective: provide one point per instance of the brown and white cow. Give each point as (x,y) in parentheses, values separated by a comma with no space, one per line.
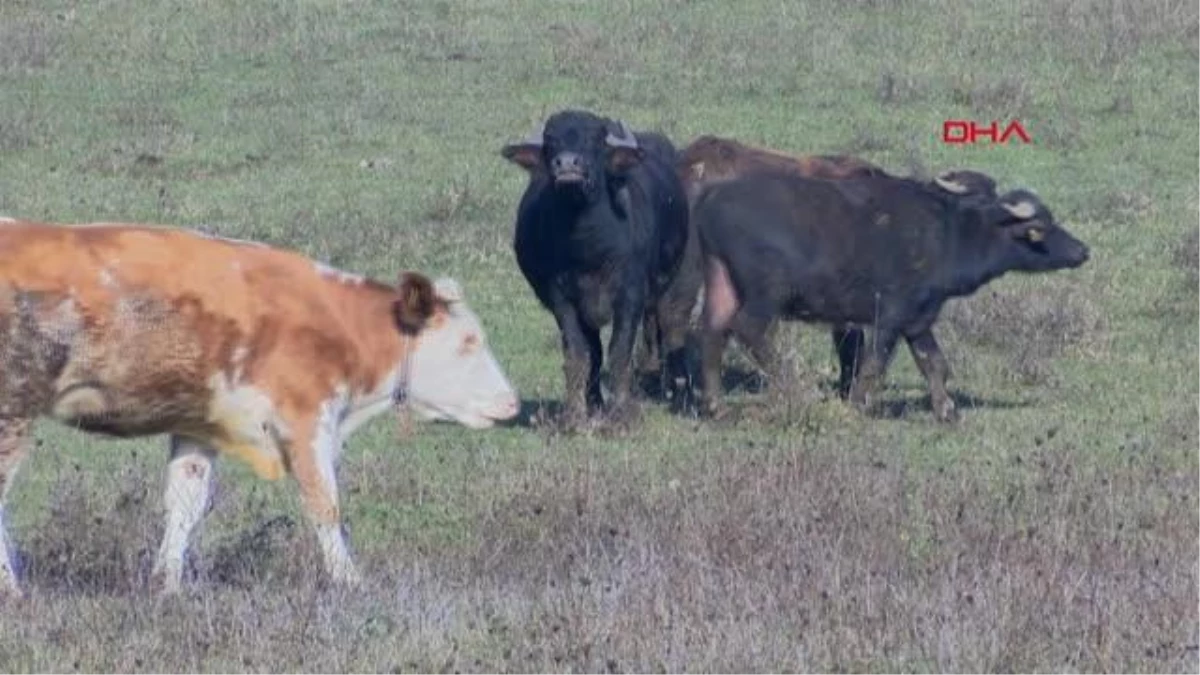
(229,347)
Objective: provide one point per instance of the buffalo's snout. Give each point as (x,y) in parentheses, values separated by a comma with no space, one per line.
(1080,255)
(567,167)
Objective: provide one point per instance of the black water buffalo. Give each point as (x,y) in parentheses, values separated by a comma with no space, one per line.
(874,251)
(602,236)
(713,159)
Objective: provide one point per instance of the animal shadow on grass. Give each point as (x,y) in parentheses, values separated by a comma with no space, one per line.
(270,549)
(550,416)
(733,380)
(91,543)
(896,408)
(535,412)
(542,412)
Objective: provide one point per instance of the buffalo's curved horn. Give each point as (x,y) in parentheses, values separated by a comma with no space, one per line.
(1023,210)
(952,186)
(535,136)
(625,140)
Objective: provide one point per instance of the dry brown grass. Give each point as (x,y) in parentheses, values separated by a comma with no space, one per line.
(817,553)
(1030,327)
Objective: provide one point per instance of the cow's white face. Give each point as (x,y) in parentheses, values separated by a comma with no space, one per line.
(452,374)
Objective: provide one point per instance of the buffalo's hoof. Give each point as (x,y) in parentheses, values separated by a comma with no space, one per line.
(624,416)
(714,410)
(946,412)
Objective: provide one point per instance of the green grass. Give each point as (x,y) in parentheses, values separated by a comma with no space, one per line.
(1055,528)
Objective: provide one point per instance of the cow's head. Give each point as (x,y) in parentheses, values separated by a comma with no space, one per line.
(1034,241)
(451,373)
(578,152)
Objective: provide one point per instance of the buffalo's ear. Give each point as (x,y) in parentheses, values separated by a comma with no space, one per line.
(415,302)
(526,155)
(623,159)
(624,153)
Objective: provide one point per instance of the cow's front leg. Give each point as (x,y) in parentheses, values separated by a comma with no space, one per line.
(627,312)
(314,451)
(189,484)
(870,375)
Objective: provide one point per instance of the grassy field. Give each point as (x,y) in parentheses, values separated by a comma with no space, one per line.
(1054,529)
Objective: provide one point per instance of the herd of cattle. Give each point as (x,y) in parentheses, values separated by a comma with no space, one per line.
(239,348)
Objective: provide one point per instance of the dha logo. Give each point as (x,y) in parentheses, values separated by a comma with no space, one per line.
(962,132)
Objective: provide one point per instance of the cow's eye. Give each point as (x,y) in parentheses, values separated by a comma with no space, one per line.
(470,344)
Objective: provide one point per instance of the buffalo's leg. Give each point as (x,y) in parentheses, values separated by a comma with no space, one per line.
(721,305)
(870,375)
(14,444)
(189,479)
(595,396)
(712,352)
(627,314)
(936,369)
(650,361)
(674,322)
(754,328)
(581,364)
(848,341)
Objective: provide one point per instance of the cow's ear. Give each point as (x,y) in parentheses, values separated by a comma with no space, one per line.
(415,302)
(525,155)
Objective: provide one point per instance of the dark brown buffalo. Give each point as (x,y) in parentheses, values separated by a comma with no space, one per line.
(873,251)
(712,159)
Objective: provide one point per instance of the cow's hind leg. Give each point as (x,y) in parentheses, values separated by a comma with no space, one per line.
(14,443)
(189,482)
